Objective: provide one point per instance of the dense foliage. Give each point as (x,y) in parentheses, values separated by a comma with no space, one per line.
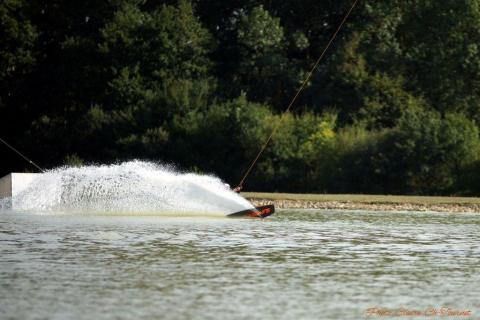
(393,108)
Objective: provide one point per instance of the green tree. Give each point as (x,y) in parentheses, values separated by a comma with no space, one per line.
(64,81)
(18,56)
(431,45)
(426,153)
(441,53)
(261,66)
(17,36)
(361,91)
(159,73)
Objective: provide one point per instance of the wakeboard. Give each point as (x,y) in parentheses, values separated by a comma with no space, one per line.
(257,212)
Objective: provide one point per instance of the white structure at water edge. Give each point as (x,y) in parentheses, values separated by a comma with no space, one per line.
(14,183)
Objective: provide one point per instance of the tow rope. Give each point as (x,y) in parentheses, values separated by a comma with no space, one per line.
(21,155)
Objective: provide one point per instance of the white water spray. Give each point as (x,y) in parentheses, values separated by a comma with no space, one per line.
(130,187)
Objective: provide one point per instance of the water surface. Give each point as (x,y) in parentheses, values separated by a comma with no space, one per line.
(294,265)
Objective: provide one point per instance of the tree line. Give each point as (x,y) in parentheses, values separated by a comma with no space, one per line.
(393,108)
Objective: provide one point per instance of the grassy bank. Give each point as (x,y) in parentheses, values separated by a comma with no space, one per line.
(361,198)
(366,202)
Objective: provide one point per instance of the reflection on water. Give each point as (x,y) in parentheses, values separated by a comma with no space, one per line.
(294,265)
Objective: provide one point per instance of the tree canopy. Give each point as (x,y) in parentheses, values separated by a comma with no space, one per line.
(393,107)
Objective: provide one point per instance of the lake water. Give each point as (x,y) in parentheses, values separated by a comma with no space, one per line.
(294,265)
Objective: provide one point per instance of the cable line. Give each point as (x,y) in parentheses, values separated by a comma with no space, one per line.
(24,157)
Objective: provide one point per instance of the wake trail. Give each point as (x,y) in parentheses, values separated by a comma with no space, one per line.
(129,187)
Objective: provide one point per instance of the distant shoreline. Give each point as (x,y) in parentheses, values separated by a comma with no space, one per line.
(365,202)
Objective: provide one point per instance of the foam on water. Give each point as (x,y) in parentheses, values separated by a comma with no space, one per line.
(130,187)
